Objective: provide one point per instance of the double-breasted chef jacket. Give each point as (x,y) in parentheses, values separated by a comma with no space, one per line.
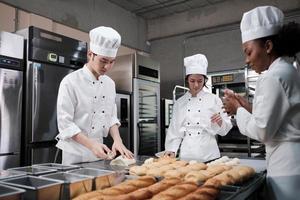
(191,126)
(85,105)
(275,121)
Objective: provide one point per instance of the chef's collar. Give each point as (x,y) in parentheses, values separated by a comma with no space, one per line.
(274,63)
(199,94)
(89,74)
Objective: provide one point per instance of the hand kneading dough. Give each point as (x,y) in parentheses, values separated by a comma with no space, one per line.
(122,161)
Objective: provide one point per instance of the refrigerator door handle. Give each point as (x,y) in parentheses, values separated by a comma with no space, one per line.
(138,138)
(34,96)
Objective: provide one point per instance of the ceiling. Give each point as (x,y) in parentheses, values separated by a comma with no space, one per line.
(150,9)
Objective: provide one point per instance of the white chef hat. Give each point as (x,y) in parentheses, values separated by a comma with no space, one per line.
(104,41)
(196,64)
(261,22)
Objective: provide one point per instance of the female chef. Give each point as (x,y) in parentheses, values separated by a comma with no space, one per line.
(197,117)
(275,116)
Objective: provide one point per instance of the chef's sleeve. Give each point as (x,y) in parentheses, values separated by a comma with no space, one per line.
(226,122)
(66,102)
(114,118)
(175,131)
(270,106)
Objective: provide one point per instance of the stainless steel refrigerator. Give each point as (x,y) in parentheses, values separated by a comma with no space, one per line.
(123,114)
(50,57)
(11,87)
(139,75)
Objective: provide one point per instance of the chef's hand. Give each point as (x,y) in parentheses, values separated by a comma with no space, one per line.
(244,103)
(170,154)
(231,104)
(120,147)
(216,118)
(100,150)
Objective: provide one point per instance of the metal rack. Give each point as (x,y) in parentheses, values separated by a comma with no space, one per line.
(255,148)
(243,82)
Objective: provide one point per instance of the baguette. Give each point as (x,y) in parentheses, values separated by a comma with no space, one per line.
(176,191)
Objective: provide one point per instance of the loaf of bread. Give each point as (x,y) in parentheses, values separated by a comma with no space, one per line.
(196,177)
(123,188)
(203,193)
(213,182)
(176,191)
(218,169)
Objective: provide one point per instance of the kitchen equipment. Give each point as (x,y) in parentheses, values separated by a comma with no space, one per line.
(101,178)
(37,188)
(49,58)
(139,75)
(73,184)
(6,174)
(242,82)
(31,170)
(56,166)
(123,114)
(10,193)
(165,120)
(11,92)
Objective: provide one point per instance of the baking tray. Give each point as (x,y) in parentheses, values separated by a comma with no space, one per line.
(31,170)
(10,193)
(37,188)
(5,174)
(101,178)
(57,166)
(74,184)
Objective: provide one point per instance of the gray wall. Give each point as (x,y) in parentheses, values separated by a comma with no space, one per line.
(87,14)
(221,45)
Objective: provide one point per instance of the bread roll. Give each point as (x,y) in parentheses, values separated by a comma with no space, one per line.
(183,170)
(213,182)
(196,166)
(138,170)
(181,163)
(234,175)
(218,169)
(154,172)
(166,160)
(195,177)
(173,173)
(225,179)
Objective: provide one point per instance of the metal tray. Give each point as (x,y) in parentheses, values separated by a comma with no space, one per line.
(74,184)
(57,166)
(10,193)
(5,174)
(37,188)
(101,178)
(35,171)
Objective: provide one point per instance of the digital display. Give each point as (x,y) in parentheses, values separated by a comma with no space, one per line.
(223,79)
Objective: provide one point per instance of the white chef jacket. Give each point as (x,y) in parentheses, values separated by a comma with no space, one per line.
(192,128)
(85,105)
(275,121)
